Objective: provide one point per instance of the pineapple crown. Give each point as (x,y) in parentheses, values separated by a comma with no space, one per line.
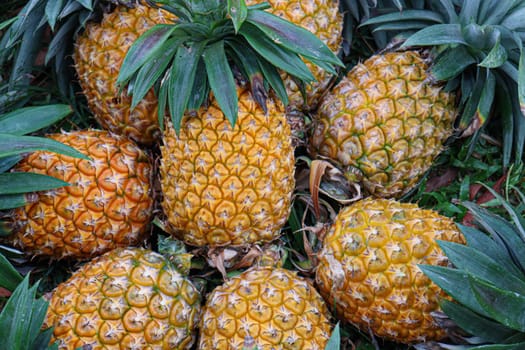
(479,50)
(209,41)
(487,280)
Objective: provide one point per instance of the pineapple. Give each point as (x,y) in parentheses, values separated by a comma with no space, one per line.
(322,18)
(225,185)
(368,267)
(125,299)
(477,49)
(265,308)
(227,167)
(99,53)
(107,204)
(385,123)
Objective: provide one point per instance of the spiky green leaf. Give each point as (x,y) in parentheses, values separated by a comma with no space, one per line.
(451,62)
(9,278)
(502,305)
(486,329)
(478,264)
(182,74)
(496,56)
(152,70)
(521,82)
(143,49)
(276,55)
(29,119)
(452,281)
(53,9)
(220,77)
(13,145)
(22,317)
(10,201)
(292,37)
(238,12)
(437,34)
(334,343)
(13,183)
(484,243)
(407,15)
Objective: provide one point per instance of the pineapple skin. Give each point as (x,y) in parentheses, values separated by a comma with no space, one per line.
(108,203)
(225,186)
(385,123)
(266,307)
(126,298)
(322,18)
(368,268)
(99,53)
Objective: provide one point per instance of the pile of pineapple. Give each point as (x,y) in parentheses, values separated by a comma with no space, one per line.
(192,147)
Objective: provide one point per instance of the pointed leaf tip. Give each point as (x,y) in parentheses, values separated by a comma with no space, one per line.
(238,12)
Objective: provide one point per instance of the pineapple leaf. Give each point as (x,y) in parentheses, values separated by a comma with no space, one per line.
(238,11)
(400,26)
(480,265)
(29,119)
(276,55)
(497,55)
(406,15)
(52,10)
(151,71)
(182,74)
(472,102)
(452,281)
(292,37)
(521,82)
(437,34)
(473,323)
(516,346)
(486,99)
(22,317)
(334,343)
(274,79)
(10,201)
(502,232)
(8,22)
(483,243)
(7,163)
(504,306)
(221,80)
(246,59)
(12,145)
(56,46)
(469,11)
(146,47)
(201,88)
(514,20)
(15,183)
(10,278)
(451,62)
(504,102)
(88,4)
(448,6)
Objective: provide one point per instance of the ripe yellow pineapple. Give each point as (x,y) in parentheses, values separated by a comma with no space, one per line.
(385,123)
(368,268)
(99,53)
(125,299)
(108,203)
(322,18)
(265,308)
(225,185)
